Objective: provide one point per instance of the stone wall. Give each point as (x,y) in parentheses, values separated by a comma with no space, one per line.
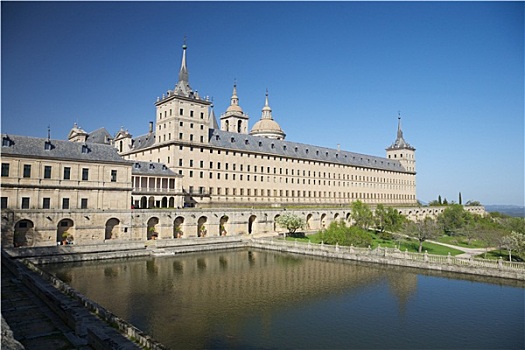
(88,227)
(390,256)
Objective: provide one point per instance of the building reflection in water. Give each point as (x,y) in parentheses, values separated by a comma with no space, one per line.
(213,299)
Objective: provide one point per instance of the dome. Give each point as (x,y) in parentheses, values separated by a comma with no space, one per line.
(266,126)
(234,108)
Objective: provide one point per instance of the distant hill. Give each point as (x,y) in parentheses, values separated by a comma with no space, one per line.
(512,210)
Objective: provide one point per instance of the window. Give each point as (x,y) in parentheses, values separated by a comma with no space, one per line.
(65,203)
(5,169)
(3,202)
(191,113)
(83,203)
(85,174)
(47,172)
(25,202)
(113,176)
(27,170)
(7,142)
(181,111)
(46,203)
(180,162)
(67,173)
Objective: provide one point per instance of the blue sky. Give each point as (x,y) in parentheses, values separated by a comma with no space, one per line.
(337,73)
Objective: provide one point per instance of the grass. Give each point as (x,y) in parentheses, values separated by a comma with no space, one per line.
(409,244)
(504,254)
(461,241)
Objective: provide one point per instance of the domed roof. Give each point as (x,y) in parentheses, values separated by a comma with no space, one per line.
(266,126)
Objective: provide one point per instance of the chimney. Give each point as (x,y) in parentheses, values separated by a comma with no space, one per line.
(150,127)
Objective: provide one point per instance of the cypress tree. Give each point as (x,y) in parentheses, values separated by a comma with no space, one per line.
(460,198)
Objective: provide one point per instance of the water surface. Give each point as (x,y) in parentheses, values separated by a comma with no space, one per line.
(250,299)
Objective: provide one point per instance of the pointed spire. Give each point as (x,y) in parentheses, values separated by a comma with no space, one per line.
(212,120)
(400,141)
(234,98)
(183,85)
(266,111)
(399,131)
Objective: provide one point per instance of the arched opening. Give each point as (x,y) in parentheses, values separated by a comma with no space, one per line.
(227,125)
(143,202)
(239,126)
(336,216)
(308,221)
(171,202)
(322,222)
(348,217)
(251,222)
(65,231)
(152,230)
(202,231)
(112,228)
(164,203)
(24,235)
(177,227)
(223,225)
(151,202)
(276,227)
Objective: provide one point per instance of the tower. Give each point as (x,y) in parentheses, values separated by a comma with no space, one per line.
(400,150)
(182,115)
(234,119)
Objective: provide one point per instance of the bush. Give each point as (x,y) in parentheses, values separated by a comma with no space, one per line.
(341,234)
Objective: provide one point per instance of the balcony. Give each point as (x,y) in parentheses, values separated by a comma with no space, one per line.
(150,190)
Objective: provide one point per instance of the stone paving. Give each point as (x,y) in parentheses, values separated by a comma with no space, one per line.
(31,321)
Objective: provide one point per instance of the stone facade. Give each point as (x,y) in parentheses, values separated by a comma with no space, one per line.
(231,167)
(45,228)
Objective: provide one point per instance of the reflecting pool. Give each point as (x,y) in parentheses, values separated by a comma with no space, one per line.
(239,299)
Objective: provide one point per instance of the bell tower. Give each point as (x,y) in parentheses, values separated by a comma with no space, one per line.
(402,151)
(234,119)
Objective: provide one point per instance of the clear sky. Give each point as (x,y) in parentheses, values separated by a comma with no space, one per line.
(337,73)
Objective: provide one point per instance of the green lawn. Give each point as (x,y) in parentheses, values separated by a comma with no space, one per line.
(461,241)
(495,255)
(410,244)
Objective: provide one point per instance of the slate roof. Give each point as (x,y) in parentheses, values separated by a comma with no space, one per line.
(257,144)
(152,168)
(26,146)
(100,136)
(242,142)
(143,141)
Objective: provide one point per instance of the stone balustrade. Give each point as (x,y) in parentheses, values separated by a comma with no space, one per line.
(392,256)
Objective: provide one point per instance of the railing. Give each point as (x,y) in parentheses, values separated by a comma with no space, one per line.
(351,252)
(155,190)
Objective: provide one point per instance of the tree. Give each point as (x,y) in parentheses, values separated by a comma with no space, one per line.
(388,218)
(361,214)
(338,232)
(473,203)
(454,218)
(513,242)
(291,222)
(422,230)
(439,200)
(459,202)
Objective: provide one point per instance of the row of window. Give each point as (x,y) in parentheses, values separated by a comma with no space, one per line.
(181,112)
(46,203)
(48,169)
(347,177)
(274,158)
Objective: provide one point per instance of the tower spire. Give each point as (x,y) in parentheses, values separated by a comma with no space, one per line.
(183,85)
(266,111)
